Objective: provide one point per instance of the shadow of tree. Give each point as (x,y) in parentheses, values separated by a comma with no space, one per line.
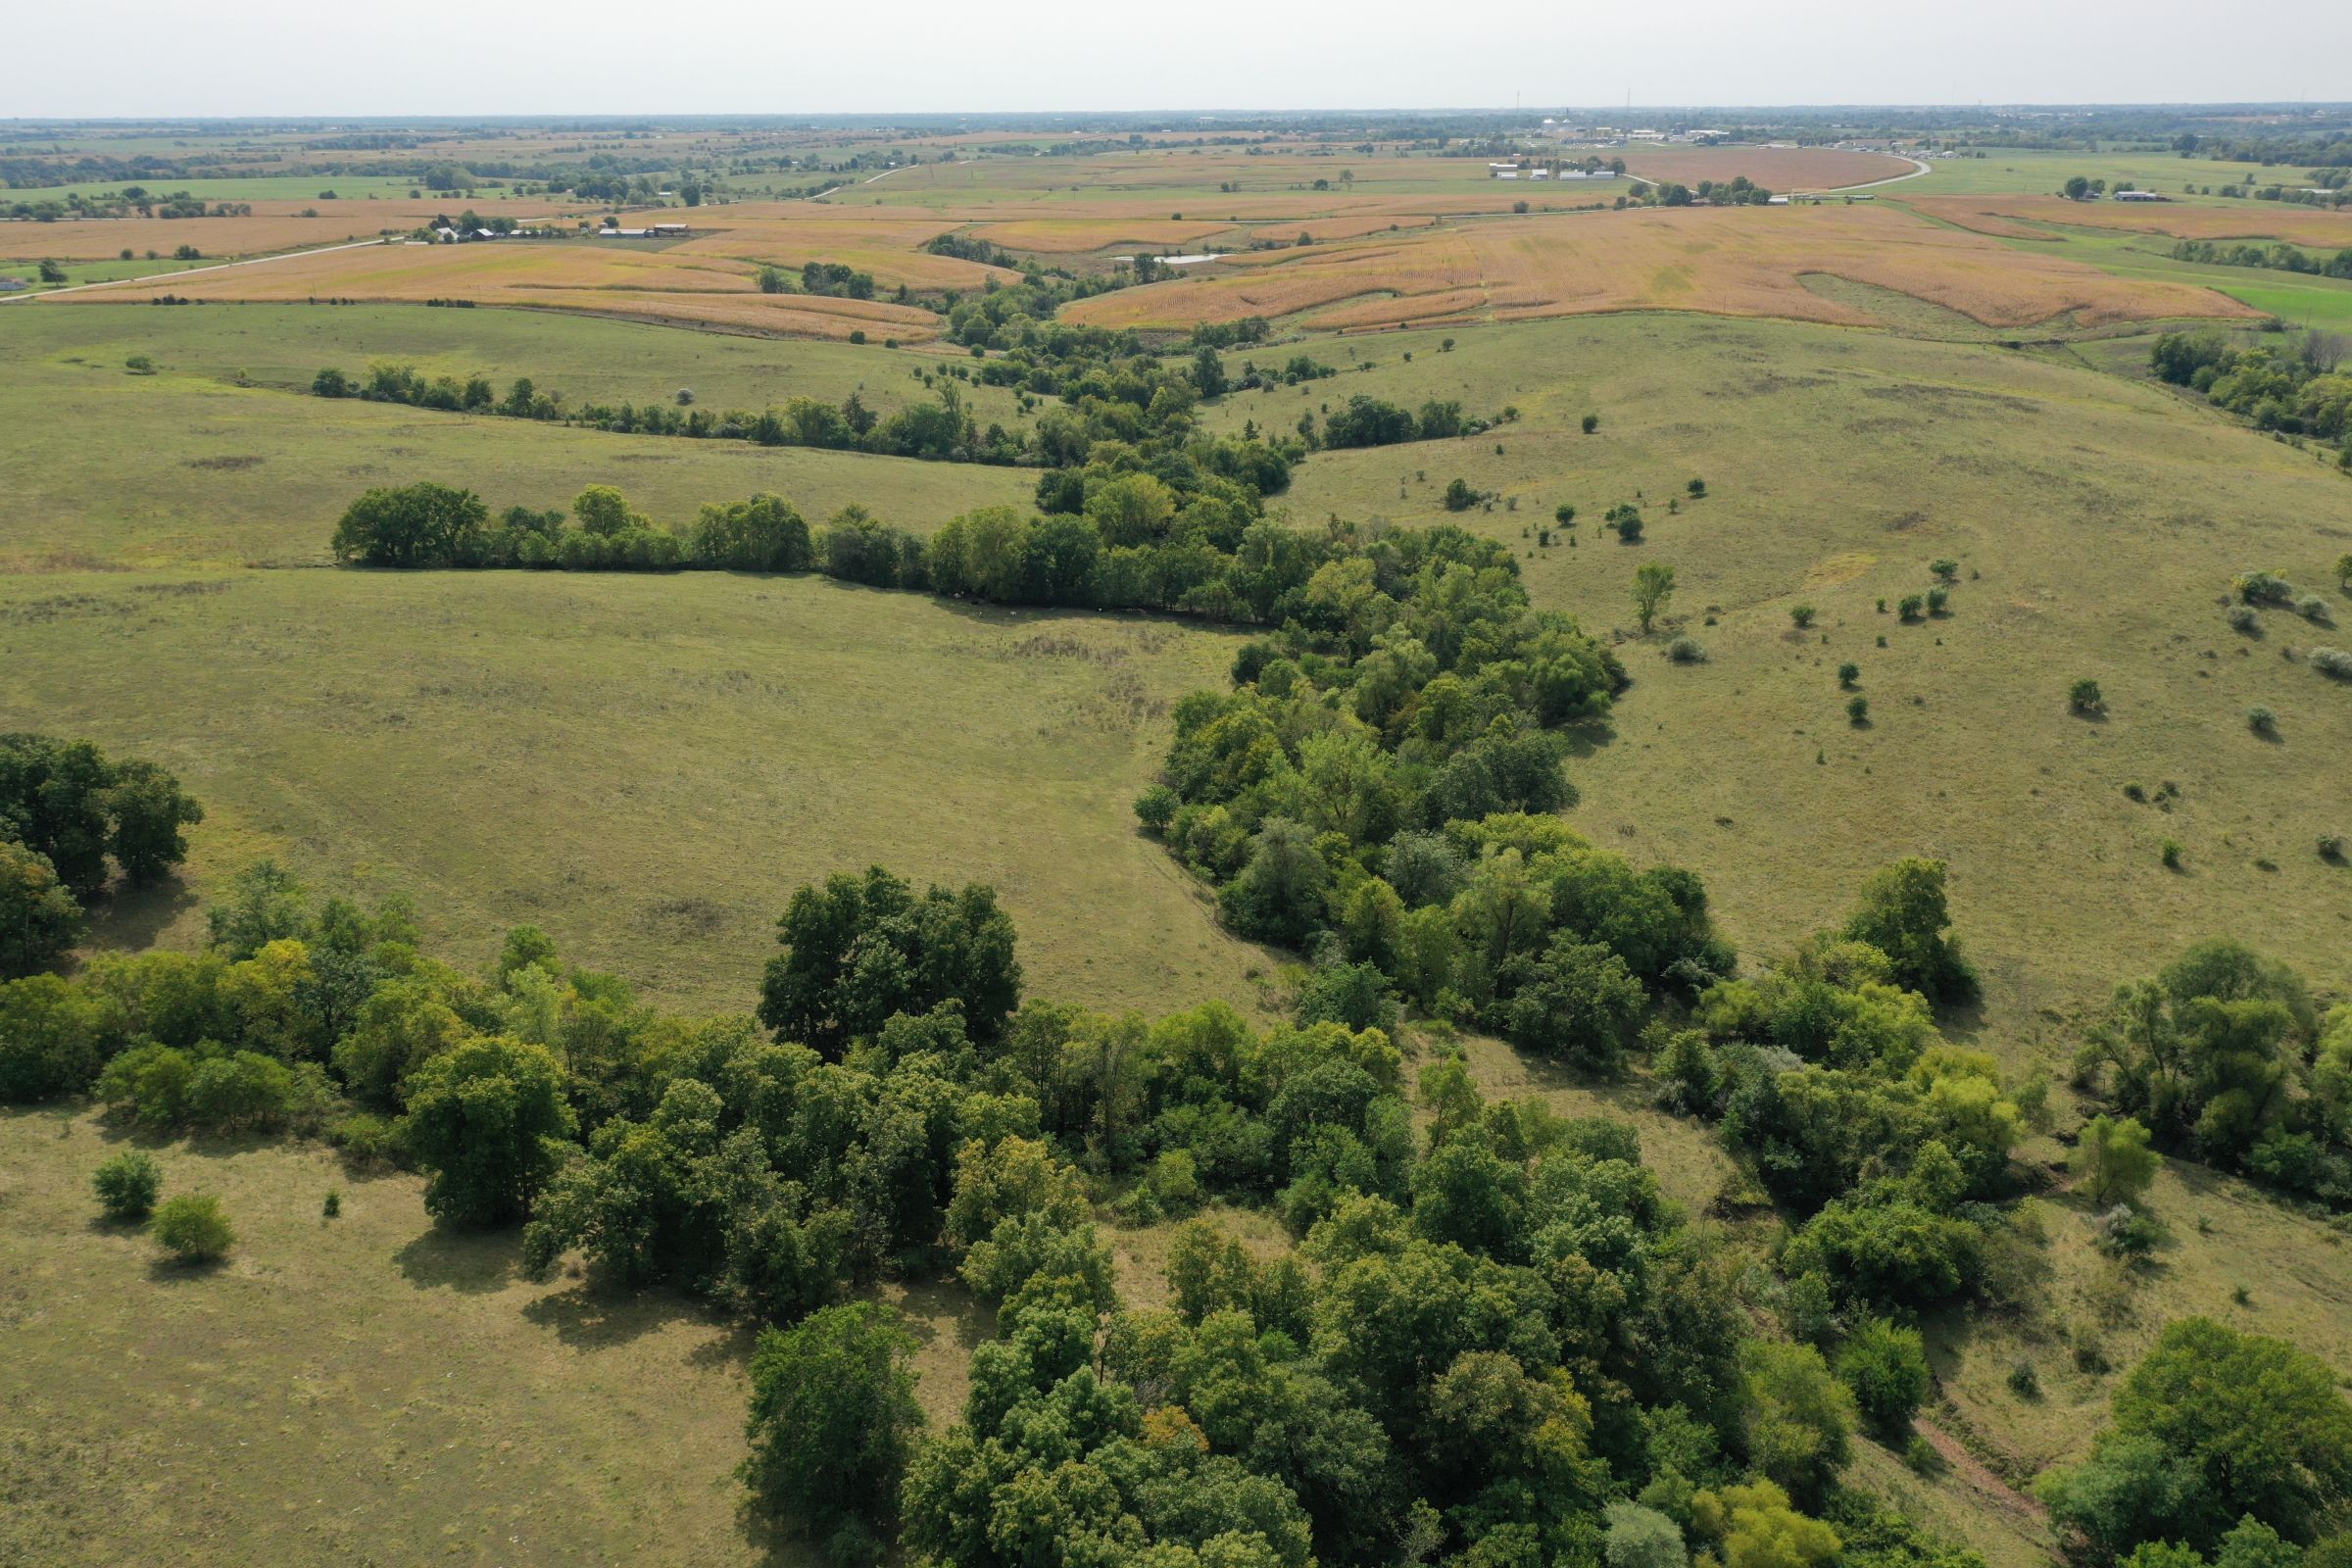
(133,918)
(592,1317)
(468,1261)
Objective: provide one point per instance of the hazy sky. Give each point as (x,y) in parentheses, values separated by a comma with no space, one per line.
(298,57)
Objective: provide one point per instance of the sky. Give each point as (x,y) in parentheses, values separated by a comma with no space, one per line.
(139,58)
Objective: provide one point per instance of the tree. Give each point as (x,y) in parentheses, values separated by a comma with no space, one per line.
(1642,1537)
(1209,372)
(148,808)
(126,1185)
(858,949)
(2264,1421)
(833,1416)
(51,272)
(265,906)
(39,918)
(1903,915)
(488,1121)
(2076,188)
(2085,697)
(1758,1528)
(1884,1366)
(1578,1001)
(423,525)
(192,1228)
(2114,1160)
(1653,587)
(1800,1419)
(1279,895)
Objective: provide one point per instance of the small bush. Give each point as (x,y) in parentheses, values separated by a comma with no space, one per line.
(2264,588)
(2125,1232)
(1937,598)
(1592,422)
(2242,618)
(333,1206)
(2169,852)
(2261,720)
(1801,616)
(2024,1381)
(1685,650)
(1858,711)
(1921,1455)
(2333,663)
(1848,673)
(685,397)
(192,1228)
(1155,807)
(1697,488)
(1945,570)
(365,1140)
(2332,847)
(2312,608)
(2085,697)
(139,365)
(126,1185)
(1564,515)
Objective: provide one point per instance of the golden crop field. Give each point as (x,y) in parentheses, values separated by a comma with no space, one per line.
(2238,219)
(657,284)
(1727,260)
(1773,168)
(271,226)
(892,252)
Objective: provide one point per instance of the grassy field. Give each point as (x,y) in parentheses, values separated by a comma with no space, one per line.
(587,358)
(158,1414)
(2006,170)
(647,767)
(107,470)
(2097,522)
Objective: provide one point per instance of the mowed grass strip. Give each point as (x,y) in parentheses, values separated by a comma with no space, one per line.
(1735,262)
(645,765)
(367,1388)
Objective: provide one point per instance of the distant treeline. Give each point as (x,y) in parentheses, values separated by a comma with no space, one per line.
(2281,257)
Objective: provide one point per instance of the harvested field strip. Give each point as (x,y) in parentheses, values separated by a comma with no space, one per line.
(661,284)
(2005,216)
(1734,262)
(1773,168)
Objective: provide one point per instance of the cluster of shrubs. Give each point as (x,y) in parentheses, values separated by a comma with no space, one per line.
(2278,257)
(70,820)
(2223,1056)
(2300,392)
